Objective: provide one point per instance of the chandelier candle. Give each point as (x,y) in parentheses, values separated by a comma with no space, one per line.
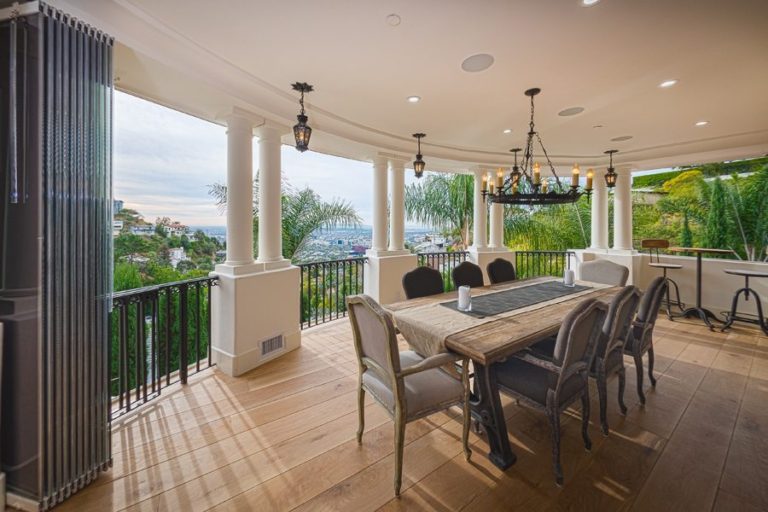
(536,173)
(545,187)
(500,178)
(590,175)
(485,182)
(575,176)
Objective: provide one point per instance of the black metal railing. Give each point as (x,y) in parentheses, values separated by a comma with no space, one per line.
(159,336)
(444,262)
(542,263)
(325,286)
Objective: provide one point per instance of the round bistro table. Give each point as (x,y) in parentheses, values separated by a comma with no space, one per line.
(697,310)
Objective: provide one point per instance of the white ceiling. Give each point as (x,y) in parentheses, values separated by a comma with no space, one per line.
(203,56)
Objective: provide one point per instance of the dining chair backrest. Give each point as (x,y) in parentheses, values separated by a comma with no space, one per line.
(422,282)
(374,335)
(650,304)
(618,321)
(654,245)
(578,335)
(467,274)
(501,271)
(604,272)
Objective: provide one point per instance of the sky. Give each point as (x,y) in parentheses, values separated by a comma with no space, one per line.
(165,161)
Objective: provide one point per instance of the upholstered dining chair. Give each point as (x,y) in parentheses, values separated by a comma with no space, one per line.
(604,272)
(551,385)
(501,271)
(422,282)
(467,274)
(609,351)
(407,385)
(640,340)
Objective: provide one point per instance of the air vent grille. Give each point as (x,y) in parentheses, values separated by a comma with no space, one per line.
(272,345)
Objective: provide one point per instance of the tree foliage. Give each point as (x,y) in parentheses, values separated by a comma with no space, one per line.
(443,201)
(303,213)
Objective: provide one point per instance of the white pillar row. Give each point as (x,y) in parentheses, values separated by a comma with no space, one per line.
(397,205)
(599,238)
(239,191)
(379,240)
(622,211)
(270,190)
(479,234)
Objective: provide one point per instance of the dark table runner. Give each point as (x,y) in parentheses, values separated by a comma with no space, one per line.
(508,300)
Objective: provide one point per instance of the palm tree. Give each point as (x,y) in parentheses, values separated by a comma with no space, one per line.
(303,211)
(443,201)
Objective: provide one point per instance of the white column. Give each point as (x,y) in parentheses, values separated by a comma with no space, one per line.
(479,234)
(270,190)
(497,226)
(622,212)
(379,240)
(397,206)
(239,191)
(599,212)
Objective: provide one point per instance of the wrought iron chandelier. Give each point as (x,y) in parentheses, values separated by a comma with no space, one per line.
(525,185)
(418,164)
(302,131)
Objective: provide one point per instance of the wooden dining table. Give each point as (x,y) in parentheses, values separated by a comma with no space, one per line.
(698,310)
(430,325)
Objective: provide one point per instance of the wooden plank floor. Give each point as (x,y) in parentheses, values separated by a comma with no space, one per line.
(283,438)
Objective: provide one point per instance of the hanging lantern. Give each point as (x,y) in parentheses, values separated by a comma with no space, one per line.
(610,176)
(301,130)
(418,164)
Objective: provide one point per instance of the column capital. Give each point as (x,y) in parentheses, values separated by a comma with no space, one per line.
(270,129)
(237,115)
(394,157)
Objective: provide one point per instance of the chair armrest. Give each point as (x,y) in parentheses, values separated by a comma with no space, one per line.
(435,361)
(528,357)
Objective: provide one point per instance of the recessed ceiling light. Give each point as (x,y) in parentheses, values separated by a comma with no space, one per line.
(589,3)
(414,99)
(702,123)
(668,83)
(508,130)
(393,20)
(572,111)
(621,138)
(477,63)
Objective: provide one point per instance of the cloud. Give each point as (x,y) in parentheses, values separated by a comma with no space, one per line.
(165,161)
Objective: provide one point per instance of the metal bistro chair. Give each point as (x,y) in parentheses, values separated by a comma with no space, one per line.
(501,271)
(422,282)
(553,385)
(604,272)
(653,246)
(467,274)
(407,385)
(640,339)
(733,315)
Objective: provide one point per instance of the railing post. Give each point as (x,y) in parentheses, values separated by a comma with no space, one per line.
(183,338)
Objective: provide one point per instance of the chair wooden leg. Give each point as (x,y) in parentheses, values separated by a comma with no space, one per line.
(554,421)
(651,359)
(585,419)
(622,385)
(602,393)
(399,446)
(467,412)
(360,413)
(639,367)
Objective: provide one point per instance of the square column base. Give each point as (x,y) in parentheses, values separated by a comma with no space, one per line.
(248,310)
(482,257)
(384,274)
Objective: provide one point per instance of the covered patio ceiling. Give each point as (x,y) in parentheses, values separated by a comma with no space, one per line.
(203,58)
